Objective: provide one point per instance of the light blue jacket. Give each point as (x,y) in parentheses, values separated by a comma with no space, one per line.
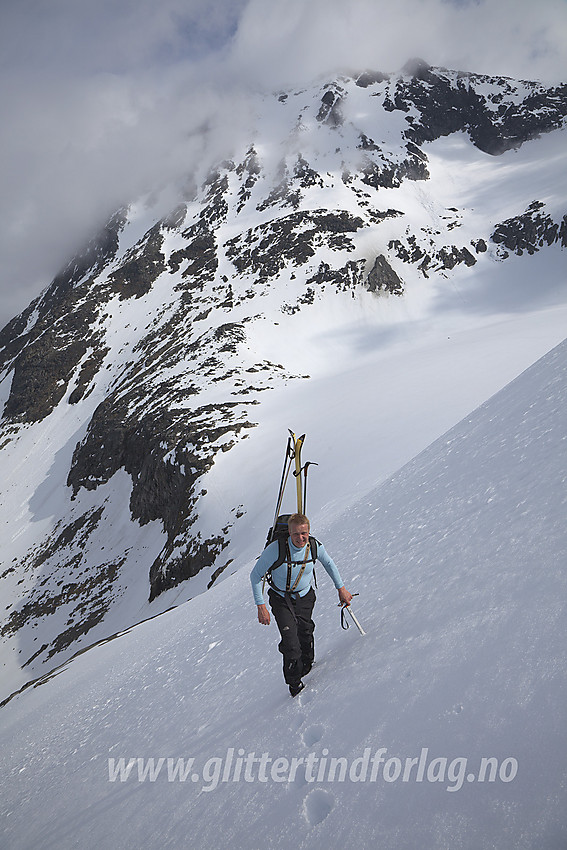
(279,575)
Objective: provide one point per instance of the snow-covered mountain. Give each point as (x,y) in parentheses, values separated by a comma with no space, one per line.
(444,726)
(382,254)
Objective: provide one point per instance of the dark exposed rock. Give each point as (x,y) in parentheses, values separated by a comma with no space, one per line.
(215,206)
(493,125)
(230,335)
(480,246)
(305,175)
(44,367)
(249,171)
(449,258)
(93,259)
(531,231)
(45,356)
(141,266)
(370,78)
(284,193)
(410,252)
(346,278)
(391,175)
(162,489)
(267,249)
(86,595)
(287,192)
(435,259)
(383,278)
(330,110)
(175,219)
(89,369)
(200,254)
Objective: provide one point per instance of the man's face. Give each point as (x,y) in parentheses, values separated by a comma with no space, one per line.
(299,535)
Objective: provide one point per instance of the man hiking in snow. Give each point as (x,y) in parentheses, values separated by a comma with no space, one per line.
(292,597)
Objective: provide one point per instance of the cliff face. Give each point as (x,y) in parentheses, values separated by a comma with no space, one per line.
(145,352)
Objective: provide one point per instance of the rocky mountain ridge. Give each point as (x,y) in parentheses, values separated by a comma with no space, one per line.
(156,346)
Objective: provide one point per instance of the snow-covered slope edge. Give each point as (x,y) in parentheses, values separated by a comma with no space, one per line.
(459,562)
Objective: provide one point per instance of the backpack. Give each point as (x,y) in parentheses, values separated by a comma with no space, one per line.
(280,533)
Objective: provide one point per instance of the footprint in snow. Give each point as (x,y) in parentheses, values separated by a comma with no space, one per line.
(312,735)
(317,805)
(305,697)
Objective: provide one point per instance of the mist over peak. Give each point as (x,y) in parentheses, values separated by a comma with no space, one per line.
(103,102)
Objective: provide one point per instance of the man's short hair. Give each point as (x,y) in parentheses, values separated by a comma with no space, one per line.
(297,519)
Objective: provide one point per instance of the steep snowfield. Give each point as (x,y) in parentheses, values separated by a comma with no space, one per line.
(456,545)
(388,374)
(400,387)
(459,560)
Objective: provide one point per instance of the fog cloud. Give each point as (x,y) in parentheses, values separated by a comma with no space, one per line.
(101,101)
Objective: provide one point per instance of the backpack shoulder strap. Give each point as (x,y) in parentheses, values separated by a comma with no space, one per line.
(283,557)
(313,544)
(283,553)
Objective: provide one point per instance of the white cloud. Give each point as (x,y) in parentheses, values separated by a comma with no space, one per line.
(101,100)
(293,39)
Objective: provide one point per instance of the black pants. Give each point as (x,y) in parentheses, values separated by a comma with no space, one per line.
(293,616)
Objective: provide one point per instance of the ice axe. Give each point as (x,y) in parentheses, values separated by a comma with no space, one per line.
(344,622)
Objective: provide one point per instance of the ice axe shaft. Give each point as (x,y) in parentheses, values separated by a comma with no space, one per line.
(355,621)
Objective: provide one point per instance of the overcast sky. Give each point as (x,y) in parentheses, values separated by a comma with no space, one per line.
(103,99)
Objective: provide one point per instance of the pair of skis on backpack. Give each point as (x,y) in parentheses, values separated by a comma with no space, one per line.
(292,459)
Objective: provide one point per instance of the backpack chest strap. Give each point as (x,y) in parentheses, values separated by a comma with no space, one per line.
(288,586)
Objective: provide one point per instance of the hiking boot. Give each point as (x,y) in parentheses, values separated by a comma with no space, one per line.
(307,665)
(296,689)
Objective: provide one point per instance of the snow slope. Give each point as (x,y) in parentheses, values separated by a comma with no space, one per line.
(459,560)
(388,375)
